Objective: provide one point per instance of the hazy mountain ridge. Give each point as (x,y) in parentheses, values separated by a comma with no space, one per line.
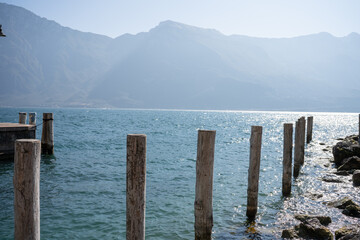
(51,61)
(174,66)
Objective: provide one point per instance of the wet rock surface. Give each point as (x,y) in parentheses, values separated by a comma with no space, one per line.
(347,148)
(332,179)
(352,211)
(311,227)
(324,220)
(347,158)
(348,232)
(350,163)
(340,172)
(356,178)
(350,208)
(341,203)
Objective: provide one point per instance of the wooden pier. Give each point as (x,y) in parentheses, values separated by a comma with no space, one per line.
(9,133)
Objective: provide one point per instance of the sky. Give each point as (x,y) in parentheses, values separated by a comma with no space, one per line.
(257,18)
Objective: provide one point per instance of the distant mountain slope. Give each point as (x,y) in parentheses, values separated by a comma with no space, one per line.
(44,63)
(169,68)
(174,66)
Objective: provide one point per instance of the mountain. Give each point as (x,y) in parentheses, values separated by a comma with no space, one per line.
(174,66)
(43,63)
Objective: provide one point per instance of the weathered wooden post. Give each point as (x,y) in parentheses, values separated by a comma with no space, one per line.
(309,129)
(47,137)
(135,186)
(253,173)
(203,207)
(22,117)
(302,125)
(27,189)
(297,150)
(287,159)
(32,118)
(359,129)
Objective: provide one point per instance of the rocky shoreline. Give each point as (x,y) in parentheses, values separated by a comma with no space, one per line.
(345,162)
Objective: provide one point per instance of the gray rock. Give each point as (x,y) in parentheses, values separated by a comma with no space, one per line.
(350,207)
(348,232)
(342,173)
(356,178)
(349,147)
(324,220)
(309,228)
(312,229)
(289,233)
(350,163)
(351,237)
(352,211)
(331,179)
(342,203)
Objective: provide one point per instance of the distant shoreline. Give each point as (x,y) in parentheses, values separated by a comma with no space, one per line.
(184,110)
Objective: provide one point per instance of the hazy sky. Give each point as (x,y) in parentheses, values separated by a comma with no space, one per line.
(261,18)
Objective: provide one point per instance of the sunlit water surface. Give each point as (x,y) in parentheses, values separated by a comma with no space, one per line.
(83,186)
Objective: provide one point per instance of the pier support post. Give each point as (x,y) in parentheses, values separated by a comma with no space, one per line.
(135,186)
(32,118)
(27,189)
(309,129)
(287,159)
(359,129)
(253,174)
(297,150)
(47,137)
(302,125)
(203,207)
(22,117)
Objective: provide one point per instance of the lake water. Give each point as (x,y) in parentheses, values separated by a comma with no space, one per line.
(83,186)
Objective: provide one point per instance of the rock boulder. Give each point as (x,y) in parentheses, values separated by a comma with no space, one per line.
(348,147)
(356,178)
(350,163)
(350,208)
(348,232)
(311,227)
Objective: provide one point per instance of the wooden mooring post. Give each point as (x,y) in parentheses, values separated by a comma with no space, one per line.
(22,117)
(47,137)
(253,174)
(32,118)
(299,150)
(27,189)
(135,186)
(287,159)
(203,208)
(302,125)
(309,129)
